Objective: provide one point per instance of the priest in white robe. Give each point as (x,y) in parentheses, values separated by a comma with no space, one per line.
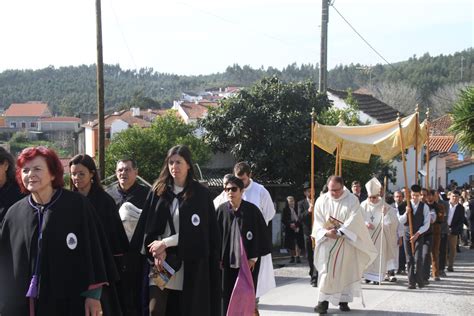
(343,246)
(382,222)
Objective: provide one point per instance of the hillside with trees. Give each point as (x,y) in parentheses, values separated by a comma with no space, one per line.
(433,81)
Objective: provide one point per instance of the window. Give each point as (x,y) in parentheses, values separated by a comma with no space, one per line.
(23,124)
(13,124)
(33,124)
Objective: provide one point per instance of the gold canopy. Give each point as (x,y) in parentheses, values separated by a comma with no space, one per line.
(358,143)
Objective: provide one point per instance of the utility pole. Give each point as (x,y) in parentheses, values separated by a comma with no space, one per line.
(462,66)
(100,91)
(323,62)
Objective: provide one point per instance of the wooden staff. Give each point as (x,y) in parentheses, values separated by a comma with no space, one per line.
(383,222)
(417,117)
(340,160)
(336,163)
(407,192)
(311,194)
(313,139)
(427,182)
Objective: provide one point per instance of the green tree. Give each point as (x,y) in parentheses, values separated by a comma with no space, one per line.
(463,120)
(269,126)
(148,146)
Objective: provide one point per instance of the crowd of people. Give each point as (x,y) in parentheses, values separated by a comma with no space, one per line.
(174,250)
(130,250)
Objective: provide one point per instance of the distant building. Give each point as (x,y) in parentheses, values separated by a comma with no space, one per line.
(115,123)
(25,116)
(59,123)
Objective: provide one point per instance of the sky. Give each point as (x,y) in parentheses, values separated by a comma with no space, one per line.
(193,37)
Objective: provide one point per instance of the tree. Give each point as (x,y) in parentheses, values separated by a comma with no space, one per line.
(268,125)
(463,120)
(149,146)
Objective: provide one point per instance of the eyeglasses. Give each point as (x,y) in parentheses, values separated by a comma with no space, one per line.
(233,189)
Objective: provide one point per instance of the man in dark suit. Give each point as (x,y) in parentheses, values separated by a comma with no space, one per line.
(356,189)
(305,216)
(455,223)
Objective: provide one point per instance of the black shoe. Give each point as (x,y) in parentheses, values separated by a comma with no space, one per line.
(322,307)
(298,259)
(437,278)
(292,260)
(426,282)
(375,283)
(421,285)
(411,286)
(450,270)
(344,307)
(314,282)
(442,273)
(367,281)
(471,246)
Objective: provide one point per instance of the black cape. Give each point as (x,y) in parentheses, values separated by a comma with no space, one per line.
(198,246)
(254,238)
(133,285)
(107,212)
(67,269)
(9,194)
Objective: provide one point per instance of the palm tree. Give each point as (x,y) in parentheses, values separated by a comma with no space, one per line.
(463,120)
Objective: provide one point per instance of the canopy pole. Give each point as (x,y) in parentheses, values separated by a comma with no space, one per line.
(407,192)
(383,223)
(313,139)
(427,181)
(340,160)
(336,163)
(417,116)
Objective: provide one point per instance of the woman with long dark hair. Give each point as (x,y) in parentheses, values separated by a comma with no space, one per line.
(52,259)
(9,189)
(181,232)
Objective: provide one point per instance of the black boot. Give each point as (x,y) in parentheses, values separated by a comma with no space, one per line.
(322,307)
(292,260)
(344,307)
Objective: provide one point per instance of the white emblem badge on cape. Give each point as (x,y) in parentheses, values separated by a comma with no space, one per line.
(71,241)
(249,235)
(195,220)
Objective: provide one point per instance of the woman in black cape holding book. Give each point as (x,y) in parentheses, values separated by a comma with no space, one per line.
(181,229)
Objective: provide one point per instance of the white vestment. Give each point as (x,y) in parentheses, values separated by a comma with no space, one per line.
(340,262)
(220,199)
(385,238)
(255,193)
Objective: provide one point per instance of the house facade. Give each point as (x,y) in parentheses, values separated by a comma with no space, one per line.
(25,116)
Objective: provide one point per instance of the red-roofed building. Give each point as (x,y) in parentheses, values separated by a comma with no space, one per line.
(26,115)
(115,123)
(59,123)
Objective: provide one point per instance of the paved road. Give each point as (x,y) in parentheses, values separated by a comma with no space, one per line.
(453,295)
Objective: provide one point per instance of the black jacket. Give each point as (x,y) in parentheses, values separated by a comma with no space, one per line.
(198,245)
(458,220)
(305,216)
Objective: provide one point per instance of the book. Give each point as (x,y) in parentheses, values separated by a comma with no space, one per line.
(161,278)
(332,223)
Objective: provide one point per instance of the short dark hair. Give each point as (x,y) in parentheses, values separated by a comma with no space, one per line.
(415,188)
(127,159)
(242,168)
(234,180)
(432,192)
(337,179)
(355,183)
(456,192)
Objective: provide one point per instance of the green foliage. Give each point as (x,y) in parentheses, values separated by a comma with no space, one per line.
(148,146)
(463,120)
(72,90)
(20,141)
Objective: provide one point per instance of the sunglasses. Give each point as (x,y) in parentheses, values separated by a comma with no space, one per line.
(233,189)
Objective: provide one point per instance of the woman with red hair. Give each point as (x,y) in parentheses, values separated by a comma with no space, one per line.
(51,259)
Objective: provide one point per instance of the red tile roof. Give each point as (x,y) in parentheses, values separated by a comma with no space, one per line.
(441,144)
(439,126)
(126,116)
(452,161)
(28,109)
(61,119)
(197,110)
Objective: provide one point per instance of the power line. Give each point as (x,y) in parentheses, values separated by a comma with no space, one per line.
(365,41)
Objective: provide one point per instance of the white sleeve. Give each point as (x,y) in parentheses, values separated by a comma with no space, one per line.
(426,221)
(350,235)
(402,218)
(268,209)
(171,241)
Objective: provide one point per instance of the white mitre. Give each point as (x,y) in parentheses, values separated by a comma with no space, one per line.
(373,187)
